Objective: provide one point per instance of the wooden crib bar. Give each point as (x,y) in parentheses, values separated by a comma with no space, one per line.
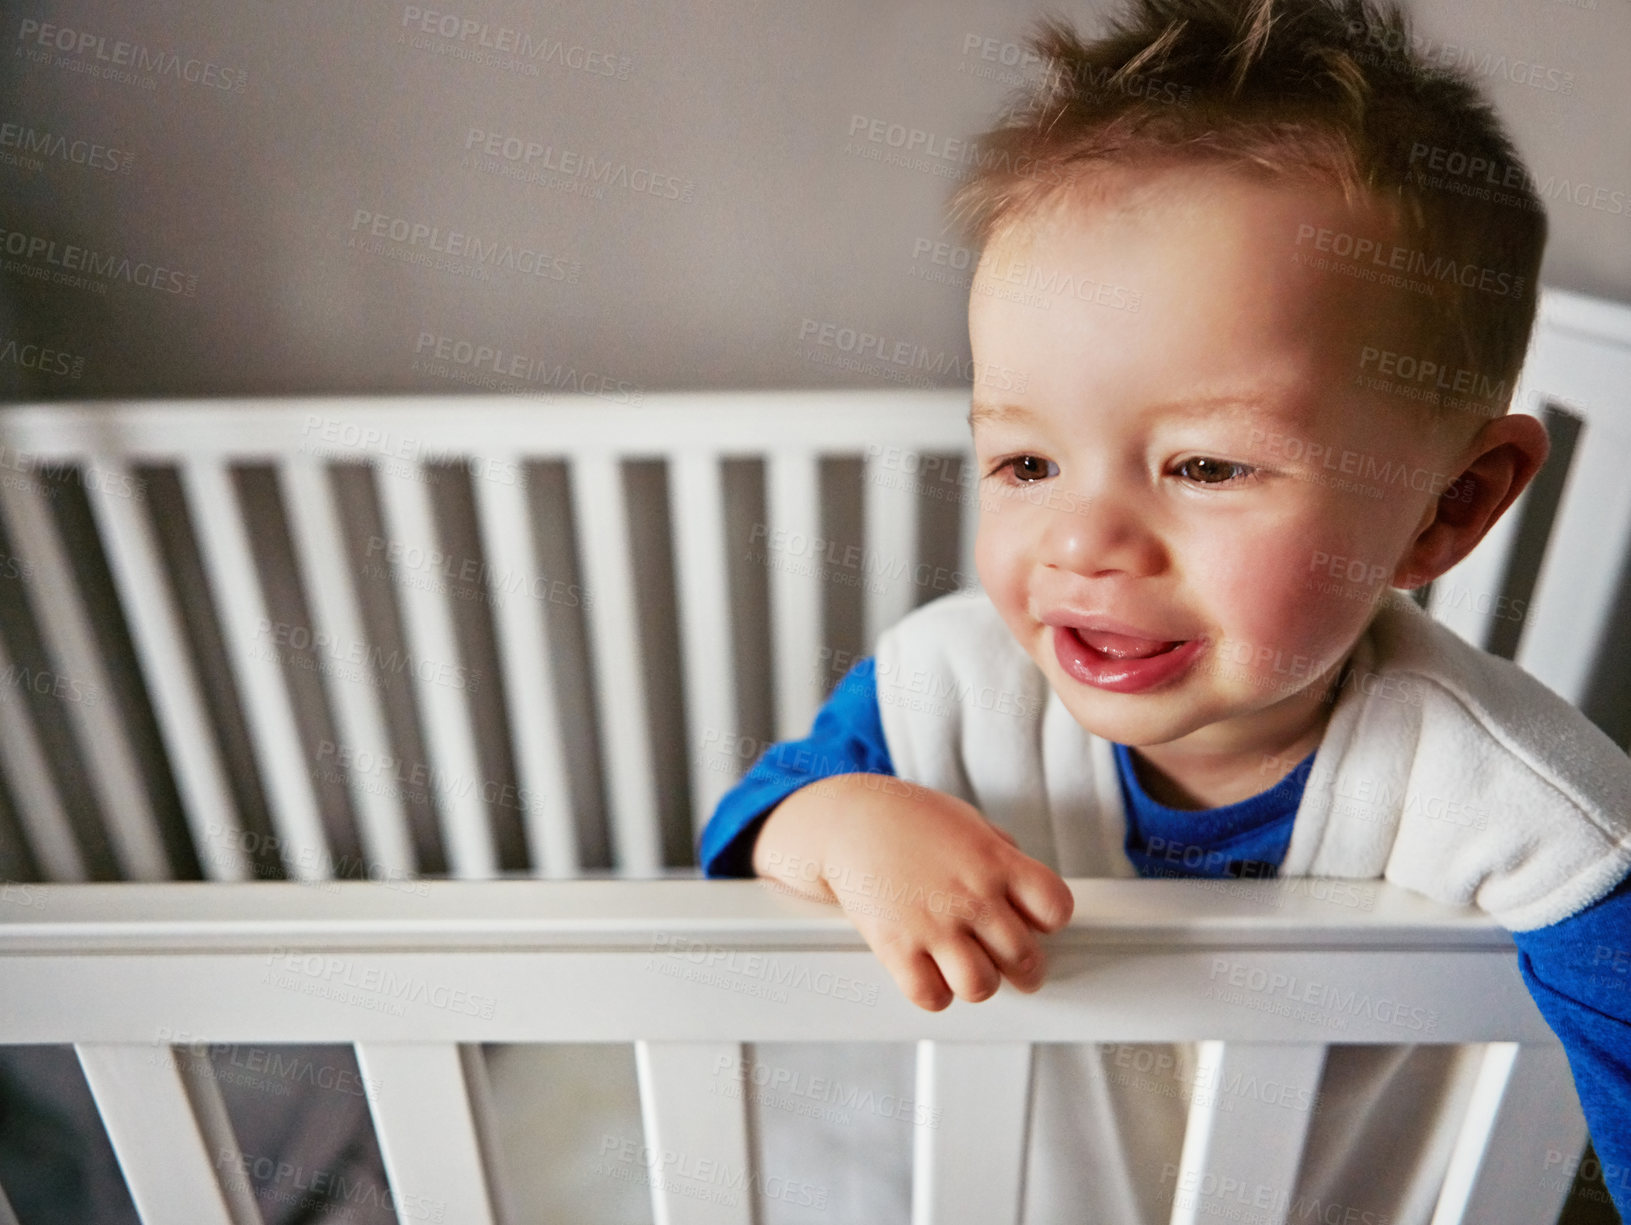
(78,670)
(688,970)
(229,565)
(978,1095)
(150,1123)
(427,1134)
(525,635)
(169,667)
(1254,1146)
(314,526)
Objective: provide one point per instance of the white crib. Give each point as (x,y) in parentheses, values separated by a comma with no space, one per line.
(686,970)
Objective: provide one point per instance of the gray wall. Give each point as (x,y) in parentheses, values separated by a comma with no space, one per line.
(743,109)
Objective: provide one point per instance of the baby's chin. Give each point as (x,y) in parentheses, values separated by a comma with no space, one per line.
(1163,715)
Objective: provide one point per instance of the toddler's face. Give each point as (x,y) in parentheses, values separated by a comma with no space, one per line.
(1203,469)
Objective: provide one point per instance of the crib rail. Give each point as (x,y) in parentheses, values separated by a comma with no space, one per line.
(512,765)
(1265,974)
(406,446)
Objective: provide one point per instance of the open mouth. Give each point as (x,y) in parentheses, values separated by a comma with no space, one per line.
(1120,646)
(1123,664)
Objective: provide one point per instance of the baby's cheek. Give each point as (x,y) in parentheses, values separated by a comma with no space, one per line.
(1271,605)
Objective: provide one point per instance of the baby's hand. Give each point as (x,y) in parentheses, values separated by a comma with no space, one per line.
(945,899)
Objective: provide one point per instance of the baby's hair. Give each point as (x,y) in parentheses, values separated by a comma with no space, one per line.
(1312,91)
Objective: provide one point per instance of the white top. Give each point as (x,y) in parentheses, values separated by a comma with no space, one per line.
(1443,768)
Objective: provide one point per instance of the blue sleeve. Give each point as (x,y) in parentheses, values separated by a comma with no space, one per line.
(1579,971)
(847,739)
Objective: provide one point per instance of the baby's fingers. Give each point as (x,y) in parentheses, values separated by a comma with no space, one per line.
(1041,896)
(967,968)
(915,973)
(1013,948)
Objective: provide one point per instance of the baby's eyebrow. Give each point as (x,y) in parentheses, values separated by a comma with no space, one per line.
(1265,402)
(994,413)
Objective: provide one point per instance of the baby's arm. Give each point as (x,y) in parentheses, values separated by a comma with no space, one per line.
(944,898)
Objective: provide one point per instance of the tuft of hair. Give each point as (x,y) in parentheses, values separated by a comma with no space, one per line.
(1330,92)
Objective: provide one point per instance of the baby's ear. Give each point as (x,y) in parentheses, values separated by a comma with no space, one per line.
(1506,455)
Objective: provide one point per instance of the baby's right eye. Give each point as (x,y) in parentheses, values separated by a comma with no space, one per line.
(1027,475)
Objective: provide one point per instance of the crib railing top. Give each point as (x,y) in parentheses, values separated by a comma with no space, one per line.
(1299,913)
(598,961)
(425,428)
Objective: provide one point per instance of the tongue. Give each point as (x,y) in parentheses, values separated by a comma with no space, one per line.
(1119,646)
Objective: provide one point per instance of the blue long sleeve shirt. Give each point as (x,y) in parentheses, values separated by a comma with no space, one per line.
(1578,970)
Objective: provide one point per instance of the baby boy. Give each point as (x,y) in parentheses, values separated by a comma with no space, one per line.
(1267,360)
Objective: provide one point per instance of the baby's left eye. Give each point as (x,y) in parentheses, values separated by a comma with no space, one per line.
(1204,470)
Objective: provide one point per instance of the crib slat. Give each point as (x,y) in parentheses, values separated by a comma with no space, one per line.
(793,503)
(44,820)
(1574,591)
(427,1136)
(427,622)
(162,1152)
(697,512)
(980,1095)
(484,1116)
(620,689)
(319,541)
(246,628)
(1522,1124)
(168,670)
(65,626)
(890,504)
(1260,1143)
(215,1127)
(521,622)
(684,1114)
